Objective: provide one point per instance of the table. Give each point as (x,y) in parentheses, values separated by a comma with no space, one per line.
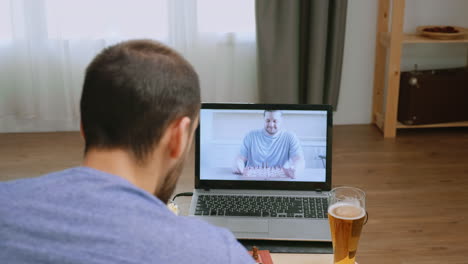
(309,174)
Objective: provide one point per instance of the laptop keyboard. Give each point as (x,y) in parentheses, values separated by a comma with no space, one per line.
(262,206)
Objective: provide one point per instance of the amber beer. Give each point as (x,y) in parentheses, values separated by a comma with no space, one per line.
(346,220)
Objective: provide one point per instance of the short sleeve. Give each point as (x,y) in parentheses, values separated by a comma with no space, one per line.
(295,148)
(244,149)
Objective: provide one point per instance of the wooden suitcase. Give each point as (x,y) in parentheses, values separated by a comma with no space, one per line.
(433,96)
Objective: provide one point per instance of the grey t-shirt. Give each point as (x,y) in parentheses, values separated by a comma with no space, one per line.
(263,149)
(82,215)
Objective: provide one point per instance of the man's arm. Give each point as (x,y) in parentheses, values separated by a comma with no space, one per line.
(239,164)
(296,164)
(241,160)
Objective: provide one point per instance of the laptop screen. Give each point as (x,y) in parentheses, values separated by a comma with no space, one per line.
(268,144)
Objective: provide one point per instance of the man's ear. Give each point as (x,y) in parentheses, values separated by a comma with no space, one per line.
(179,136)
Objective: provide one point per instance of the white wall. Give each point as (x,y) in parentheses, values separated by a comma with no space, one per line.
(355,102)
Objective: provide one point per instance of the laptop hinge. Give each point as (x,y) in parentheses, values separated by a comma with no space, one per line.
(318,190)
(206,189)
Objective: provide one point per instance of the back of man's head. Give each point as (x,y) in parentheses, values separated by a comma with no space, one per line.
(131,92)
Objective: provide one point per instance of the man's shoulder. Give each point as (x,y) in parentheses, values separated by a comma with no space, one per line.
(254,133)
(199,229)
(195,240)
(23,186)
(75,178)
(289,134)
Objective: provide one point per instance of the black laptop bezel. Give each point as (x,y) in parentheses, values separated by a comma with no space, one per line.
(266,185)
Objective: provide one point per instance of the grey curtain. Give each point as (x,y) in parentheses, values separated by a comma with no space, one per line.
(300,50)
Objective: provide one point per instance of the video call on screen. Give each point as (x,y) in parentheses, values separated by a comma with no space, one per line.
(259,145)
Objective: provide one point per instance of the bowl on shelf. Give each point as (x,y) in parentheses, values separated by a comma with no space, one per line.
(442,32)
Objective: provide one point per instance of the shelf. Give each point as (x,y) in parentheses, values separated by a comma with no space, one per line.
(414,38)
(379,121)
(451,124)
(408,38)
(387,66)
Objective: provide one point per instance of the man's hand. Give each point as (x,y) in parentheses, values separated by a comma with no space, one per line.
(290,172)
(239,166)
(294,167)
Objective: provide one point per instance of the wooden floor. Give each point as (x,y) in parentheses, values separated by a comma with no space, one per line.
(416,184)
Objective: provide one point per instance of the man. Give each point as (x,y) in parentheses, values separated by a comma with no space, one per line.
(271,147)
(139,109)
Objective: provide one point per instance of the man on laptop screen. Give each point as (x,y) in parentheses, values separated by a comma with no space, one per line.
(271,145)
(270,151)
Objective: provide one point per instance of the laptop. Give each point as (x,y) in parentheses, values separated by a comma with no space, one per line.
(263,171)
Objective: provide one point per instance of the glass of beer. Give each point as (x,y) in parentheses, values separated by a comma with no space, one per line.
(346,215)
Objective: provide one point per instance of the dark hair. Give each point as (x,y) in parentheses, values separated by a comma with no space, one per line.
(272,110)
(132,91)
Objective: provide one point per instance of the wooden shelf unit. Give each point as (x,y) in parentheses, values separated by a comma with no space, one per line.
(408,38)
(389,43)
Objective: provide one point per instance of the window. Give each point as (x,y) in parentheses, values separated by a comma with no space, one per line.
(91,19)
(5,20)
(225,16)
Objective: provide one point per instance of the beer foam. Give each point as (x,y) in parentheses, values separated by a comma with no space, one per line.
(347,211)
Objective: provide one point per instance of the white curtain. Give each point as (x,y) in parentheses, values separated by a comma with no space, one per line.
(45,46)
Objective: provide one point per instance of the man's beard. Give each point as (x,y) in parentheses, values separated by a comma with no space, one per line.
(168,186)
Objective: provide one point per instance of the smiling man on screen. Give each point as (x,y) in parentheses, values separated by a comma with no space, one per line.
(271,147)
